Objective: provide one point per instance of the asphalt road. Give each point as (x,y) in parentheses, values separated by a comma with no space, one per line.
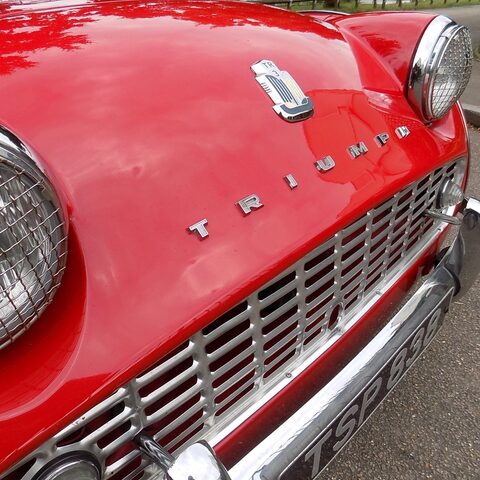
(429,426)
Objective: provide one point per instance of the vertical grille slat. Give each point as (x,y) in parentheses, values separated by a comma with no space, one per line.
(284,325)
(244,355)
(271,317)
(226,326)
(112,447)
(164,367)
(247,386)
(280,359)
(278,294)
(157,416)
(323,296)
(232,380)
(184,435)
(222,370)
(229,346)
(285,340)
(172,404)
(119,465)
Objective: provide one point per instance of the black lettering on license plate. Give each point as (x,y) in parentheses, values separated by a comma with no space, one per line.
(341,430)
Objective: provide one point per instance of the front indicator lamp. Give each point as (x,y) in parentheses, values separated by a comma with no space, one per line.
(450,195)
(71,468)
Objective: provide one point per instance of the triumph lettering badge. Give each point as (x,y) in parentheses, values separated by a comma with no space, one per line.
(290,102)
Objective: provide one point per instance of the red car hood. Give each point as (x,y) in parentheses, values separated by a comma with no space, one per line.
(148,118)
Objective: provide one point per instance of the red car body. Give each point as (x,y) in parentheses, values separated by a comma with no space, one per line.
(146,118)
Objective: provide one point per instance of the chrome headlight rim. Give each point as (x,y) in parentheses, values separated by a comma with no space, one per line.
(18,160)
(431,49)
(16,155)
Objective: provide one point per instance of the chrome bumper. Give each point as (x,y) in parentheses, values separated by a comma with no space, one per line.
(334,414)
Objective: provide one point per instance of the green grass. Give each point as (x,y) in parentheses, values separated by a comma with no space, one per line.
(350,7)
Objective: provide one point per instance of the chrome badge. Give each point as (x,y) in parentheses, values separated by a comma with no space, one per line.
(252,202)
(290,102)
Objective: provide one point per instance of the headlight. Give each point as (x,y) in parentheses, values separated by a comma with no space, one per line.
(441,68)
(33,239)
(70,468)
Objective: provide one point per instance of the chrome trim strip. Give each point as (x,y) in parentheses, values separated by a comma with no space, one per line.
(7,138)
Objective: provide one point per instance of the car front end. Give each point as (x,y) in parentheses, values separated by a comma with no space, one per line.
(255,204)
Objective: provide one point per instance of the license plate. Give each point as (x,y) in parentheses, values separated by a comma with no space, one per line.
(341,430)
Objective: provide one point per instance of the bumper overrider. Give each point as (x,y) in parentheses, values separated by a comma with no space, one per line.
(303,445)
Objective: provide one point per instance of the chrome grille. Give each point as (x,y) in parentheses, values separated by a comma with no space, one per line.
(197,389)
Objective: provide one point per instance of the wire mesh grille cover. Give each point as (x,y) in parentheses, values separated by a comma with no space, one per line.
(202,384)
(453,73)
(32,247)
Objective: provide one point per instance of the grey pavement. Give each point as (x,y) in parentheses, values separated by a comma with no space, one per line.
(470,17)
(429,427)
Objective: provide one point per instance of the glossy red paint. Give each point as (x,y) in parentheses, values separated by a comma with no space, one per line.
(148,119)
(389,39)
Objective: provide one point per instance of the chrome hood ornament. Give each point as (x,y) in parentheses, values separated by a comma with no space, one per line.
(290,102)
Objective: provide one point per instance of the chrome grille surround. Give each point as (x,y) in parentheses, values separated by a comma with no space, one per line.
(224,373)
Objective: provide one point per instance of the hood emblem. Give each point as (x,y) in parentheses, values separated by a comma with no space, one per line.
(357,150)
(325,164)
(247,204)
(200,228)
(251,203)
(290,102)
